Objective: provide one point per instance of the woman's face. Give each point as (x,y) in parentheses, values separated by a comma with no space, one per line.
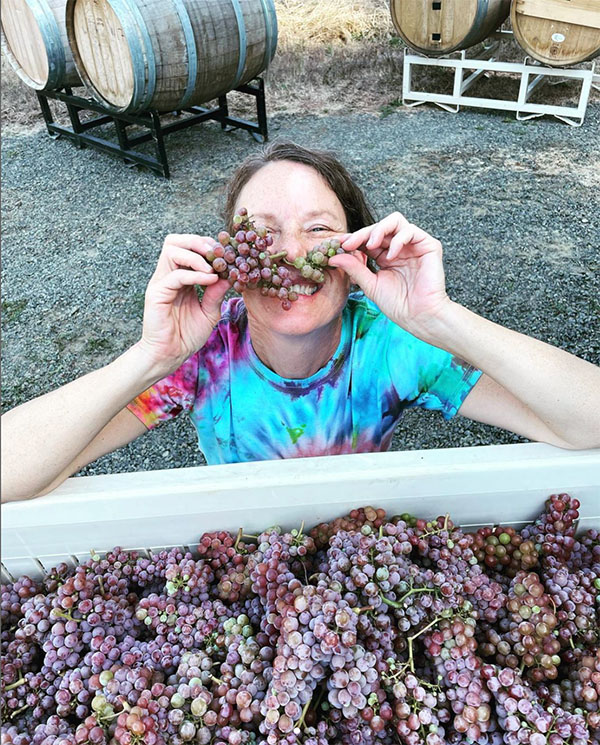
(300,210)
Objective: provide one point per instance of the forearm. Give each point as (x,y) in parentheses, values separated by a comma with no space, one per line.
(562,390)
(42,437)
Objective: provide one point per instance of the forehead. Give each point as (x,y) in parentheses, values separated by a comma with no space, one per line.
(285,188)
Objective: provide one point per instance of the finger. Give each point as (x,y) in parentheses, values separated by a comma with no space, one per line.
(213,297)
(357,239)
(411,240)
(184,258)
(389,226)
(342,236)
(356,270)
(198,243)
(167,288)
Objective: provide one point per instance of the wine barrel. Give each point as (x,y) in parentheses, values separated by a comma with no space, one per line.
(436,27)
(34,40)
(169,54)
(557,32)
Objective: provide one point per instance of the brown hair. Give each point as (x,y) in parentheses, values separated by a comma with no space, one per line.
(358,213)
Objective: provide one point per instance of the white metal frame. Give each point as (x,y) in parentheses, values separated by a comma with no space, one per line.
(152,509)
(468,70)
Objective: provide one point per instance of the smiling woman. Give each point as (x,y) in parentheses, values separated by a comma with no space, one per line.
(333,374)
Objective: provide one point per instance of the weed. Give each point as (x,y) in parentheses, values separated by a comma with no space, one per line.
(97,345)
(390,107)
(12,309)
(138,301)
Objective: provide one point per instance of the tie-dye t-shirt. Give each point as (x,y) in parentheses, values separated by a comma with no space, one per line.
(243,411)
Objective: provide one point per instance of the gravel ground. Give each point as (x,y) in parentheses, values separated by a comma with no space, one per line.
(513,203)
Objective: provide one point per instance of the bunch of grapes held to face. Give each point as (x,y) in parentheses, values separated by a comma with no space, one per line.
(246,261)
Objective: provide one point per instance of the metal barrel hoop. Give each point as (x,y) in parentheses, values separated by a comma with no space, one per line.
(48,27)
(241,24)
(472,37)
(142,53)
(270,16)
(191,49)
(149,49)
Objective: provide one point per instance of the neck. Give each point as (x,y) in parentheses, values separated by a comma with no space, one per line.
(299,356)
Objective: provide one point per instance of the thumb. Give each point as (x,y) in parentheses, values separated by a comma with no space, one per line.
(213,297)
(356,270)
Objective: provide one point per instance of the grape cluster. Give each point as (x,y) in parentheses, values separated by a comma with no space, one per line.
(352,522)
(245,261)
(310,265)
(529,641)
(419,708)
(452,648)
(364,630)
(503,549)
(525,719)
(554,531)
(229,559)
(572,595)
(586,551)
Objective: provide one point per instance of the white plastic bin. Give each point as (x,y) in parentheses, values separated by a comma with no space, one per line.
(476,486)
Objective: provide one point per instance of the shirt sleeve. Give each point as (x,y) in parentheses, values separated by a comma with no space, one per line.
(427,376)
(168,397)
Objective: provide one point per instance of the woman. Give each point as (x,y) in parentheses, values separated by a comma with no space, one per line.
(332,375)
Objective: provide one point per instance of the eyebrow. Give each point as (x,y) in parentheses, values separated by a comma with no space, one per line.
(307,216)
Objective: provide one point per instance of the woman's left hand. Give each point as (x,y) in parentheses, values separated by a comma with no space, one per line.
(409,286)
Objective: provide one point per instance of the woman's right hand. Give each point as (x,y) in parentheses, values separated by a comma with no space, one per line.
(176,322)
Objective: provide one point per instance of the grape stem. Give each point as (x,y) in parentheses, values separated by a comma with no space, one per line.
(398,603)
(239,538)
(16,684)
(303,715)
(366,608)
(217,680)
(438,530)
(18,711)
(414,636)
(61,614)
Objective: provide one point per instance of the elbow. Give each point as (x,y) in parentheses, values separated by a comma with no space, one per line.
(8,496)
(575,441)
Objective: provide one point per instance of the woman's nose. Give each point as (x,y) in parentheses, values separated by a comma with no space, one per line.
(293,243)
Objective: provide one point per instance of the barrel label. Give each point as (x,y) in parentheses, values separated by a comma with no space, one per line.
(558,38)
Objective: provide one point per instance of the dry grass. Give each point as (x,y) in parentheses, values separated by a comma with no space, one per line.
(312,23)
(333,56)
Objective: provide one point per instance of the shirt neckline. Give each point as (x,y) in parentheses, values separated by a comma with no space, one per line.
(331,367)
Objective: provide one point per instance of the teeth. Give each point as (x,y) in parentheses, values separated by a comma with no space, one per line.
(304,289)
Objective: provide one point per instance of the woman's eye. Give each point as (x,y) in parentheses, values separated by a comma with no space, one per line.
(318,227)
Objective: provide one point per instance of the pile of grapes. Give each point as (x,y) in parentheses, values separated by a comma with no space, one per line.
(366,630)
(245,261)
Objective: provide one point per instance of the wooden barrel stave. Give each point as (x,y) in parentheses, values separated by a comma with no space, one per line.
(34,40)
(443,26)
(171,53)
(557,32)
